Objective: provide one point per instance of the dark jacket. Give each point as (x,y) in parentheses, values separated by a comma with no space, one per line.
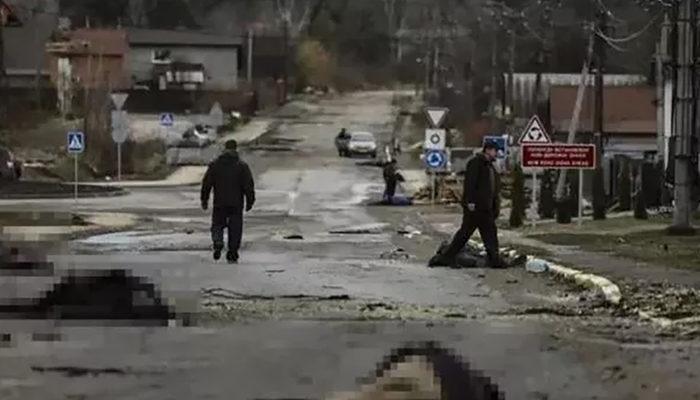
(231,180)
(391,174)
(479,187)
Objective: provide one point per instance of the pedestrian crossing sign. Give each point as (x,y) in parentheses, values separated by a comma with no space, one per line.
(76,142)
(167,120)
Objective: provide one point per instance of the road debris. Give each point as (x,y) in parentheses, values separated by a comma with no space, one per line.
(396,254)
(74,372)
(294,237)
(369,229)
(536,266)
(409,232)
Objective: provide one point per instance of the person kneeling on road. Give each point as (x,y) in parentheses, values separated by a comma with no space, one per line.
(481,204)
(232,182)
(392,177)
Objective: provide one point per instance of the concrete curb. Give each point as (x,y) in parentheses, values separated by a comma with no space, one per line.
(610,291)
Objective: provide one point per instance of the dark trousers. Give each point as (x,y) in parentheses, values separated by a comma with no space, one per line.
(471,221)
(232,219)
(390,191)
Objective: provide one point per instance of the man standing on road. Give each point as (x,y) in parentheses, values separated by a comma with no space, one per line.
(232,182)
(481,204)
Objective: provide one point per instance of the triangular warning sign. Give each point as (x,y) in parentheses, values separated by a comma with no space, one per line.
(535,132)
(436,116)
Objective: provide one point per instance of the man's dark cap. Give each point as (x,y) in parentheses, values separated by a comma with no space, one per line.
(231,145)
(489,145)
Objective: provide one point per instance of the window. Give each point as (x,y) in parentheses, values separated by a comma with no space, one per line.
(161,57)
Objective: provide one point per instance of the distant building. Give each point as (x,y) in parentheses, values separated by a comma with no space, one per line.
(87,59)
(629,124)
(524,87)
(24,36)
(163,59)
(629,120)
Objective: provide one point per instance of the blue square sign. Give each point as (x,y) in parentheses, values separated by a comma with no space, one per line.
(76,142)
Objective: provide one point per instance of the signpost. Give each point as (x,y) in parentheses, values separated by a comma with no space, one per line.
(76,146)
(435,146)
(216,115)
(561,156)
(534,133)
(120,127)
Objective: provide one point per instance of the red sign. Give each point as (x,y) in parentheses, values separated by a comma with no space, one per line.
(558,156)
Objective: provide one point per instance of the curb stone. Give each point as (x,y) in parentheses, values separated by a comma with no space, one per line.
(610,291)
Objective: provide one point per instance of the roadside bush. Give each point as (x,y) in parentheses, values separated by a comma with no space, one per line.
(547,205)
(315,64)
(563,205)
(145,159)
(518,199)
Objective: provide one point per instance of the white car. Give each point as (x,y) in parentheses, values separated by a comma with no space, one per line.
(362,143)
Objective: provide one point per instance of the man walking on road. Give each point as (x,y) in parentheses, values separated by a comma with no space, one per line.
(232,182)
(481,204)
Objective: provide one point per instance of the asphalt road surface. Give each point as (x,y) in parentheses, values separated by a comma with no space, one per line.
(321,295)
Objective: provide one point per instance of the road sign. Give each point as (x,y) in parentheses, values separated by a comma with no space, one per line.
(167,119)
(436,159)
(535,132)
(119,99)
(558,156)
(216,115)
(76,142)
(435,139)
(436,116)
(120,126)
(501,142)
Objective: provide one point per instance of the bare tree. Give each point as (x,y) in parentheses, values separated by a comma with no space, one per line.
(293,15)
(396,20)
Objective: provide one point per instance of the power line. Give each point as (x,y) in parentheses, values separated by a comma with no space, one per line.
(611,44)
(631,37)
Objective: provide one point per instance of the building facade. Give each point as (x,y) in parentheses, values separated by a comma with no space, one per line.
(160,60)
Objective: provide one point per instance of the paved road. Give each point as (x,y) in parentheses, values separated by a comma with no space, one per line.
(299,318)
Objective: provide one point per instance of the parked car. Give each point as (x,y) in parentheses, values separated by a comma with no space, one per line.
(195,137)
(362,143)
(10,166)
(341,143)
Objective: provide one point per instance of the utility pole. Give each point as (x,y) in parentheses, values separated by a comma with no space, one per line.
(509,109)
(658,59)
(494,81)
(580,93)
(250,56)
(599,203)
(684,115)
(3,98)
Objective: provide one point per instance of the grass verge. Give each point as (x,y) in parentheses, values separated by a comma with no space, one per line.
(654,246)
